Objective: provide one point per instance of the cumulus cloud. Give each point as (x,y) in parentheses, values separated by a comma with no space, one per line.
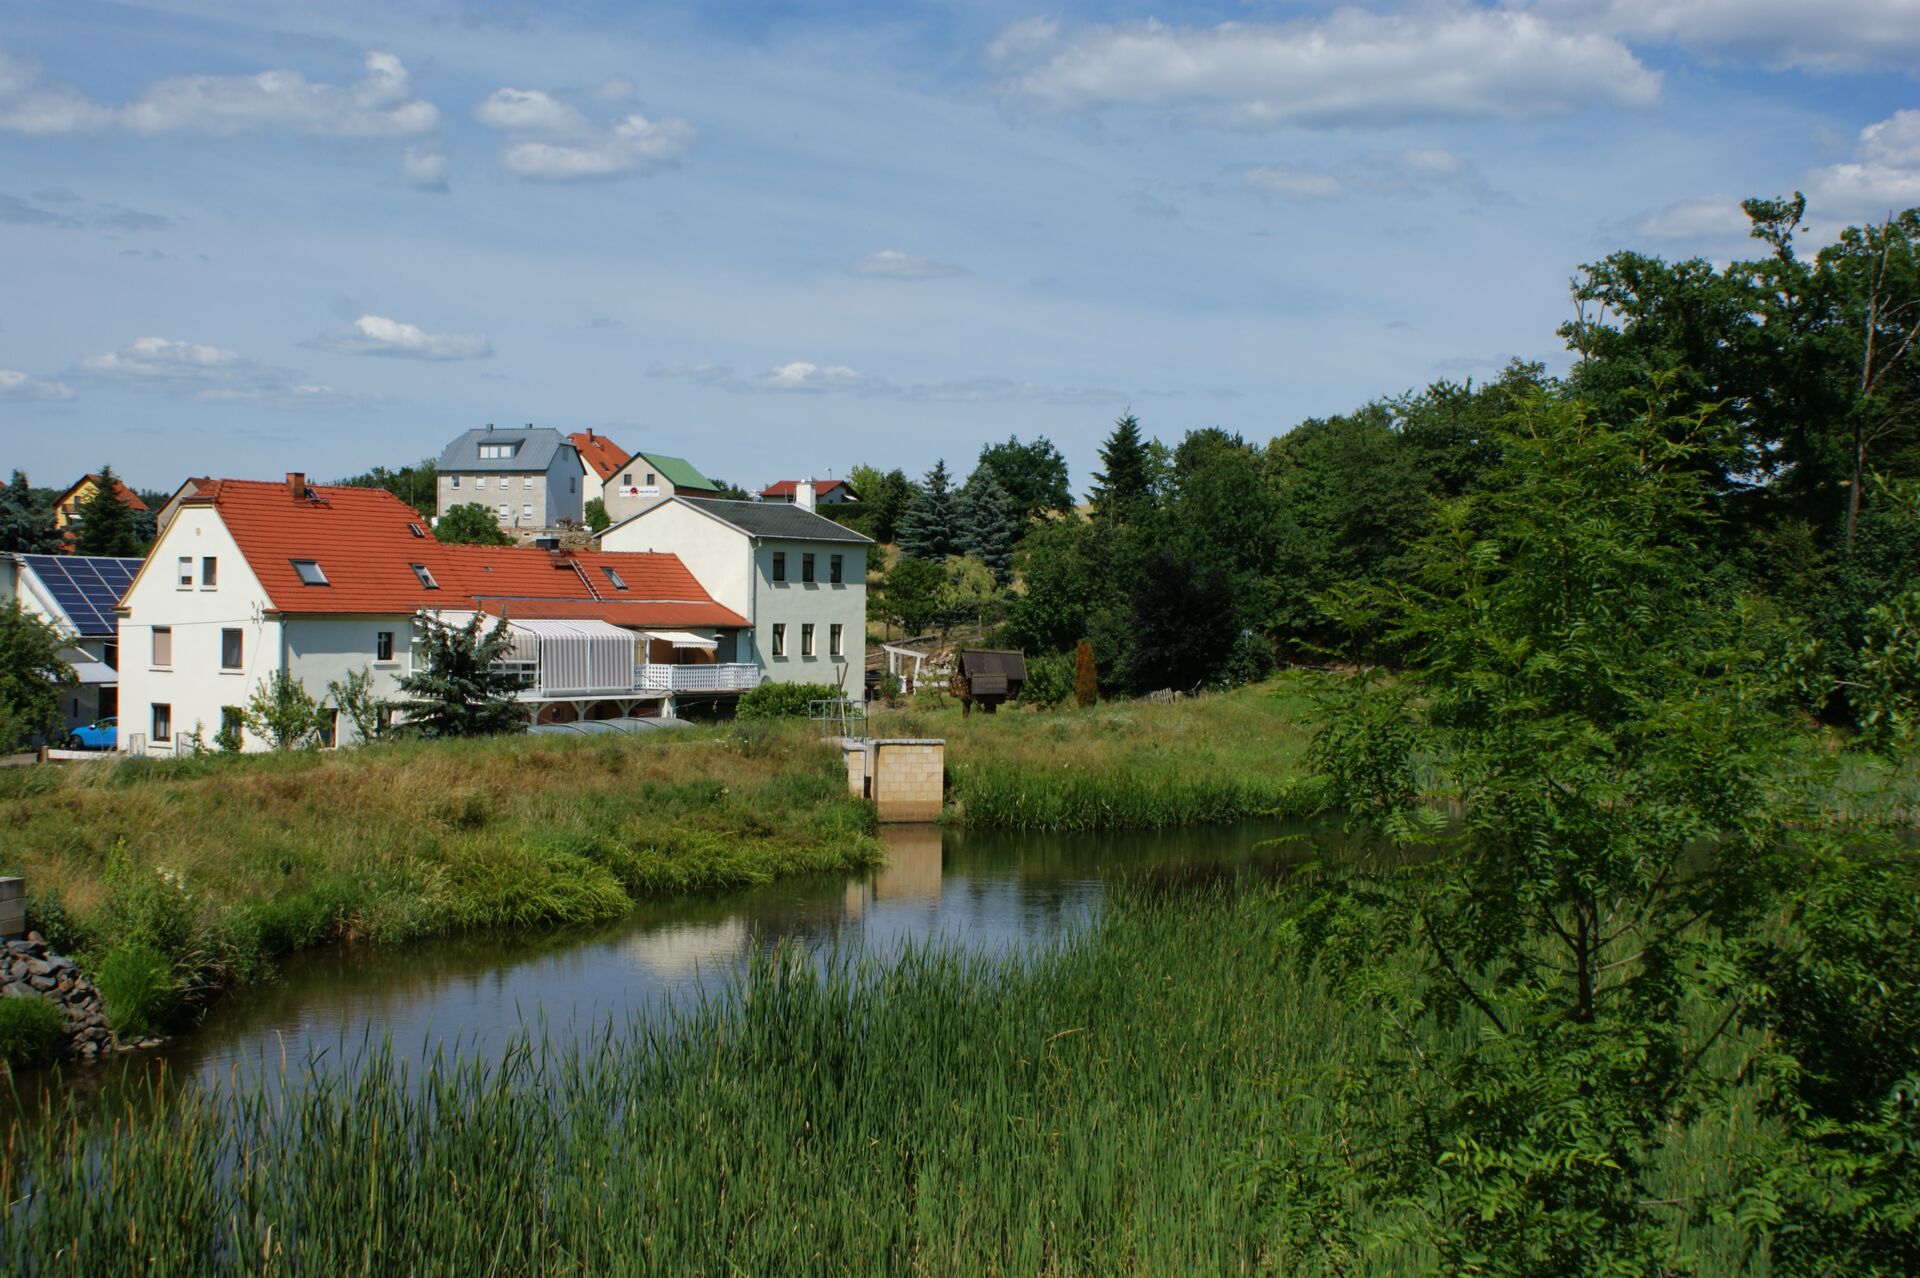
(808,378)
(1882,178)
(202,372)
(1833,35)
(378,335)
(1350,67)
(892,264)
(631,145)
(528,111)
(16,385)
(426,169)
(378,104)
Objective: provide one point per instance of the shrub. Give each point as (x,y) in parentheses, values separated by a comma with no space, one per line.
(47,914)
(783,700)
(136,983)
(30,1029)
(1049,680)
(1086,679)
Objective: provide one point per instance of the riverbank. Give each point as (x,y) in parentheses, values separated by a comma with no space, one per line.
(1109,1105)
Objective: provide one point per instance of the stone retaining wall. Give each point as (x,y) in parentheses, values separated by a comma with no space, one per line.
(29,970)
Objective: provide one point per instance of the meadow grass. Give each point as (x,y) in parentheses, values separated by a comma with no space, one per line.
(1096,1108)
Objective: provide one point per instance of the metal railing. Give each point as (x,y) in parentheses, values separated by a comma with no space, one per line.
(719,677)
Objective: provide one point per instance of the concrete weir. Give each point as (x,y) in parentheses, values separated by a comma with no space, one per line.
(904,778)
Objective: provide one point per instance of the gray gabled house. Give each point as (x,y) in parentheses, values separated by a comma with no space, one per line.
(529,477)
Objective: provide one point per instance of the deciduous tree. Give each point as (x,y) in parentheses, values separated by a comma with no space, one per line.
(471,524)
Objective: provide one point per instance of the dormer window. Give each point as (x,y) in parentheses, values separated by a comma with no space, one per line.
(496,452)
(310,572)
(426,576)
(614,577)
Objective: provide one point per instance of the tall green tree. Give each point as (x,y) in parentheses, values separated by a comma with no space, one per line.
(914,593)
(927,530)
(987,524)
(417,485)
(26,521)
(472,524)
(1034,475)
(458,688)
(1125,483)
(108,526)
(32,676)
(884,498)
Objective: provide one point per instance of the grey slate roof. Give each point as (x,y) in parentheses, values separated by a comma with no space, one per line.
(776,520)
(538,445)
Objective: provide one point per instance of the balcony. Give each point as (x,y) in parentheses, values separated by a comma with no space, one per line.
(721,677)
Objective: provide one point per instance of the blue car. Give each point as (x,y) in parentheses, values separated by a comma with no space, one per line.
(103,734)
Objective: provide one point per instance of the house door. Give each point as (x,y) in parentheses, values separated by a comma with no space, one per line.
(729,648)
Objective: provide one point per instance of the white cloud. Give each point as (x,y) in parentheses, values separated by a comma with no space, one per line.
(632,144)
(896,265)
(426,169)
(803,376)
(1349,68)
(204,373)
(378,335)
(1707,218)
(377,104)
(1882,178)
(528,111)
(14,385)
(1832,35)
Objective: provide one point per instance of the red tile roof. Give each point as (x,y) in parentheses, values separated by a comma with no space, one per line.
(364,542)
(599,452)
(821,487)
(128,498)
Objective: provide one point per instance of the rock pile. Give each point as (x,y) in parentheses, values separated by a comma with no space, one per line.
(28,970)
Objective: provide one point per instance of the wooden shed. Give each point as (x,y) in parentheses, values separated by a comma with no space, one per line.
(987,676)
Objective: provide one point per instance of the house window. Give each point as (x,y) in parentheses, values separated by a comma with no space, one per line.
(110,655)
(163,645)
(162,722)
(230,646)
(479,481)
(526,482)
(651,481)
(836,642)
(383,646)
(453,481)
(327,727)
(417,530)
(506,511)
(779,565)
(310,572)
(614,577)
(209,572)
(835,568)
(806,639)
(806,567)
(425,576)
(186,572)
(526,511)
(496,452)
(779,639)
(571,481)
(627,479)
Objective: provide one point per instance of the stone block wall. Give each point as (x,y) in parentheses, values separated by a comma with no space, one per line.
(906,780)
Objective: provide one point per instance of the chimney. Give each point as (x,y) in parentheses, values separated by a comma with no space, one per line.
(297,485)
(803,494)
(589,434)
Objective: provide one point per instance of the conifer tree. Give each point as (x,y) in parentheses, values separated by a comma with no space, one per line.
(26,526)
(987,524)
(107,524)
(927,529)
(1125,483)
(460,690)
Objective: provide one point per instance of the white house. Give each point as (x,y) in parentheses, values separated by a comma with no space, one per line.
(76,594)
(252,578)
(799,576)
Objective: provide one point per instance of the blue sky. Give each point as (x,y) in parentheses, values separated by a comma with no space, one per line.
(790,238)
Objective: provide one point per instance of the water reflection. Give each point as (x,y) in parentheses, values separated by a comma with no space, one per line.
(989,892)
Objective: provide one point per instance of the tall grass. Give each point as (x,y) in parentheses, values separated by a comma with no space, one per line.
(1094,1109)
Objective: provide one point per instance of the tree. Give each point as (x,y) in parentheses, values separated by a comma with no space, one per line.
(459,689)
(1086,676)
(283,711)
(927,529)
(107,524)
(472,524)
(986,524)
(26,522)
(596,515)
(969,592)
(730,492)
(1034,475)
(884,498)
(1126,483)
(32,676)
(417,485)
(354,698)
(1183,626)
(914,593)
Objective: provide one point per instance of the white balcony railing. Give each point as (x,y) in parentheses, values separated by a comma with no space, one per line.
(721,677)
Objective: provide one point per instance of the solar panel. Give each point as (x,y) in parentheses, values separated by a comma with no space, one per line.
(86,588)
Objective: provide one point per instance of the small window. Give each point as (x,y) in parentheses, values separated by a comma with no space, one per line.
(526,511)
(627,479)
(426,577)
(230,646)
(806,567)
(417,530)
(186,572)
(806,639)
(836,644)
(453,481)
(651,481)
(779,639)
(571,481)
(614,577)
(836,568)
(383,646)
(479,481)
(209,572)
(163,645)
(162,722)
(779,565)
(506,511)
(310,572)
(526,482)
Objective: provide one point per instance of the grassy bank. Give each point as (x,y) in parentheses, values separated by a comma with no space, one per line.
(1124,765)
(216,864)
(1102,1109)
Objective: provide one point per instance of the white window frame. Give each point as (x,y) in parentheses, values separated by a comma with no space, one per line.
(806,638)
(153,650)
(526,483)
(383,639)
(162,718)
(425,576)
(836,640)
(779,638)
(526,510)
(209,572)
(185,581)
(318,572)
(240,649)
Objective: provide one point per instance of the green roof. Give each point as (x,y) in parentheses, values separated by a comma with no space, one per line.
(679,472)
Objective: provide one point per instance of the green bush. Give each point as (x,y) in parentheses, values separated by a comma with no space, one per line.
(30,1029)
(47,914)
(136,983)
(783,700)
(1049,680)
